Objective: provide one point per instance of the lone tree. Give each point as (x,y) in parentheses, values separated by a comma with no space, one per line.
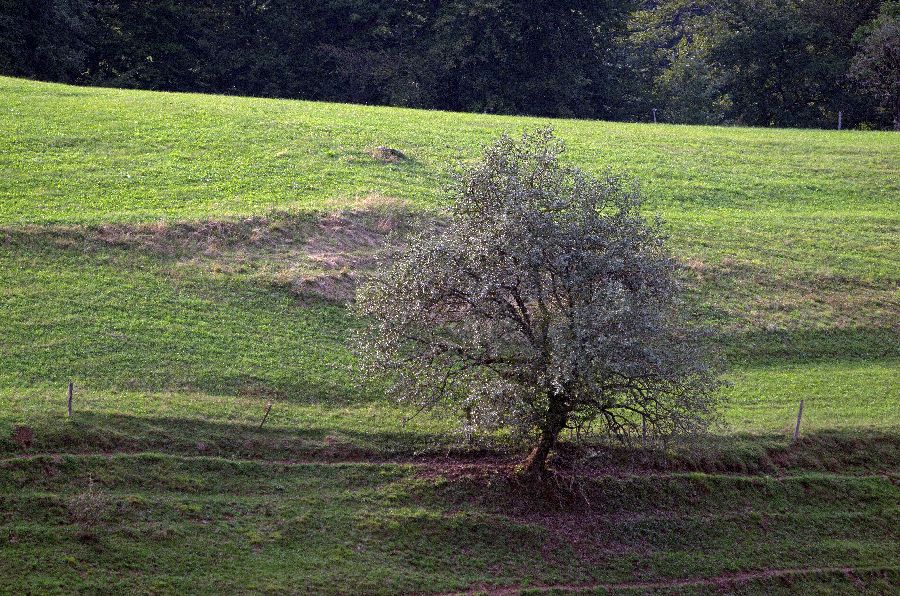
(545,302)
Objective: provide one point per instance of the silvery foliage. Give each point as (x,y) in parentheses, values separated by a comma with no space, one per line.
(545,301)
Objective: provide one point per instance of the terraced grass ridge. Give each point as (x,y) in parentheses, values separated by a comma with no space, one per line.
(185,260)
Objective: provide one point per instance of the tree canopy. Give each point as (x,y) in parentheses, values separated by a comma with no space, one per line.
(546,302)
(755,62)
(876,66)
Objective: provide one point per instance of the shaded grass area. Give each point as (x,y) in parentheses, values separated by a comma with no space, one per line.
(227,426)
(174,524)
(202,425)
(835,581)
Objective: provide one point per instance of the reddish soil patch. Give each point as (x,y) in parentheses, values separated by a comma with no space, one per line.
(23,436)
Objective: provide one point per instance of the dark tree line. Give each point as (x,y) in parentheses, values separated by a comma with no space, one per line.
(757,62)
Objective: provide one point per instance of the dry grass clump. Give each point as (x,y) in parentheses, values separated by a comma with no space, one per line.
(87,510)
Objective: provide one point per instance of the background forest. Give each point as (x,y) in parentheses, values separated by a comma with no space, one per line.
(751,62)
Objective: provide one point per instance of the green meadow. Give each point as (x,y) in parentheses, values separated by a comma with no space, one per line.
(158,250)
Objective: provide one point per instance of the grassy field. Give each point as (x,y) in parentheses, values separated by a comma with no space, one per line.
(183,259)
(101,155)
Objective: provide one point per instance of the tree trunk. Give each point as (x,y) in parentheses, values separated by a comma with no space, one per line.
(535,464)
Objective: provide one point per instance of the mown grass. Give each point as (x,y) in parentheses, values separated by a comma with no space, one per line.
(163,523)
(99,155)
(125,319)
(178,335)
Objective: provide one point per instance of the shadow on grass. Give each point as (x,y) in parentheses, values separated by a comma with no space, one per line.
(89,432)
(812,345)
(857,451)
(827,451)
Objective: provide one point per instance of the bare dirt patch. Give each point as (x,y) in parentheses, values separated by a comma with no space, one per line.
(23,436)
(314,255)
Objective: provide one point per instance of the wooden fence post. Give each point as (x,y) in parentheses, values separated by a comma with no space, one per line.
(840,120)
(266,415)
(654,115)
(69,401)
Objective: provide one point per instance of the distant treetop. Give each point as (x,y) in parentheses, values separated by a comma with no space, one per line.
(753,62)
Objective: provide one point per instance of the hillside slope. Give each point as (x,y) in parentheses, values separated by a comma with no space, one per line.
(185,260)
(73,154)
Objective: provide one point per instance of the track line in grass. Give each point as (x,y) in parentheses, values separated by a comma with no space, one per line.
(720,581)
(458,463)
